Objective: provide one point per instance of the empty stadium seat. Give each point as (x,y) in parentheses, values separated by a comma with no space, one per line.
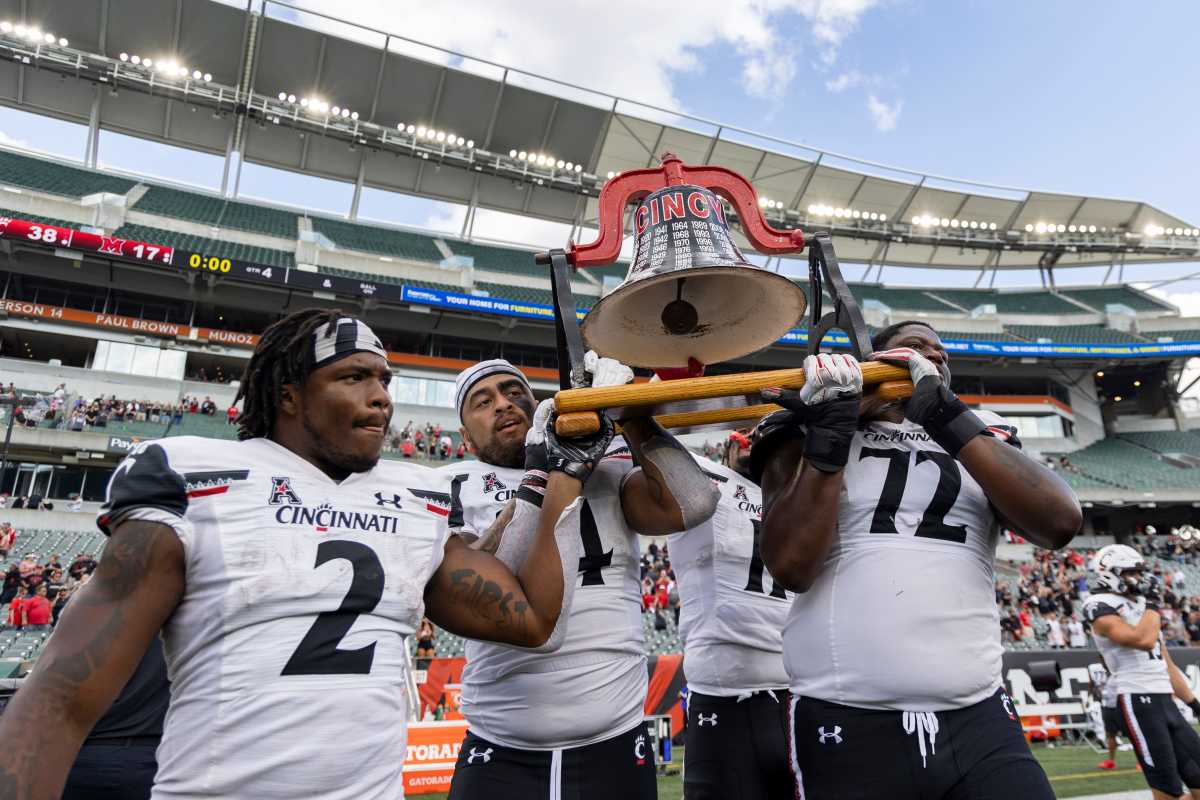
(210,210)
(61,223)
(54,178)
(1072,333)
(385,241)
(1010,302)
(1119,463)
(499,259)
(1099,297)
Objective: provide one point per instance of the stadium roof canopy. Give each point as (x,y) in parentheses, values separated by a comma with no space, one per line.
(252,61)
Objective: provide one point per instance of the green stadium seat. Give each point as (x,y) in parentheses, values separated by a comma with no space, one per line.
(1123,464)
(1072,333)
(213,247)
(1010,302)
(210,210)
(385,241)
(53,178)
(1101,296)
(61,223)
(1166,441)
(499,259)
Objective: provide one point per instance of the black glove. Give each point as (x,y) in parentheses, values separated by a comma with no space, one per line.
(577,456)
(944,417)
(829,426)
(1150,587)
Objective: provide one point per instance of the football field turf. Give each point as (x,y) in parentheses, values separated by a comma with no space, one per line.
(1072,772)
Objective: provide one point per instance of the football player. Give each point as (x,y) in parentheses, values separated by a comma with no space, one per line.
(568,724)
(731,628)
(1104,693)
(1128,631)
(286,571)
(887,529)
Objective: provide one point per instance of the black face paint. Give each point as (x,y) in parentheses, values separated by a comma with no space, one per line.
(526,403)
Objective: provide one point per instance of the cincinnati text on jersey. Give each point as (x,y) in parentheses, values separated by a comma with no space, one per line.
(325,516)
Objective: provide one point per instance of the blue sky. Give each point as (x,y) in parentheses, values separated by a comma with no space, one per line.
(1093,98)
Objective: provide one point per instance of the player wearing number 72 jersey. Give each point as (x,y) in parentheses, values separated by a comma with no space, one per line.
(286,571)
(886,528)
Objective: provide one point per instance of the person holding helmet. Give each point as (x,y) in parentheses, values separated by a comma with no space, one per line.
(1127,626)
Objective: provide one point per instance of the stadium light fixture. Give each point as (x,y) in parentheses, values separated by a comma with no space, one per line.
(1040,227)
(1100,374)
(1137,383)
(610,175)
(411,129)
(1117,399)
(135,58)
(49,38)
(5,27)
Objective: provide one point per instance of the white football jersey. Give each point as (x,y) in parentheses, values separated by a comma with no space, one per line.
(1133,671)
(733,612)
(594,686)
(903,616)
(287,651)
(1101,680)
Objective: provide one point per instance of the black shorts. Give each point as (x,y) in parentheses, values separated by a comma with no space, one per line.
(1112,720)
(978,752)
(1167,747)
(620,767)
(737,750)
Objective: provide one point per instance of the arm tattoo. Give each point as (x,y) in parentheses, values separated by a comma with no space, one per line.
(1019,466)
(83,645)
(488,601)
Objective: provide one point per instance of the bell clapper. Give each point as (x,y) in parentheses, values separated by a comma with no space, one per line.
(679,316)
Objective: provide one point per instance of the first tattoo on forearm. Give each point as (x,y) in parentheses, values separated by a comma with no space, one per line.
(486,599)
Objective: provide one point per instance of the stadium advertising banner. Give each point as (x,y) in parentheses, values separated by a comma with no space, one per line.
(1073,665)
(291,277)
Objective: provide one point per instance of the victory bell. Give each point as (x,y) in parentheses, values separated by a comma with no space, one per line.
(689,292)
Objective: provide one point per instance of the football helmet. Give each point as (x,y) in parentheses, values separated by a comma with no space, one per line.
(1113,564)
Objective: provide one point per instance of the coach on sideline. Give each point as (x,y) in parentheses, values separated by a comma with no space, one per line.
(887,528)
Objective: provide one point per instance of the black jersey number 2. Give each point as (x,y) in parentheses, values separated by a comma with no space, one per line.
(933,521)
(318,652)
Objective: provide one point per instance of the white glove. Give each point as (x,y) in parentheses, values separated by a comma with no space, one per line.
(918,365)
(537,429)
(606,371)
(828,376)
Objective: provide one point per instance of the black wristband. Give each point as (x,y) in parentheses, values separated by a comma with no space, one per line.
(831,427)
(1195,707)
(946,418)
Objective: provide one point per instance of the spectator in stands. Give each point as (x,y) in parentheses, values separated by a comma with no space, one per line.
(76,504)
(461,452)
(12,582)
(1054,632)
(37,610)
(8,538)
(231,415)
(407,448)
(16,608)
(60,602)
(425,632)
(1076,637)
(446,443)
(177,415)
(1193,627)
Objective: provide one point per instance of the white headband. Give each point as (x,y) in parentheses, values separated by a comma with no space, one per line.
(342,338)
(474,374)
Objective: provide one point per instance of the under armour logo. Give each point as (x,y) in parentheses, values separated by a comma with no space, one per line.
(639,749)
(711,719)
(1145,699)
(1007,705)
(835,734)
(381,501)
(486,755)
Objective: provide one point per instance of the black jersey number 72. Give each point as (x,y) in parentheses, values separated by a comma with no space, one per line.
(933,521)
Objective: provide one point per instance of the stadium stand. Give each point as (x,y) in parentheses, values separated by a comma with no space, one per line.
(498,259)
(1099,297)
(1166,441)
(55,178)
(1072,333)
(212,247)
(1011,302)
(210,210)
(1123,464)
(384,241)
(62,223)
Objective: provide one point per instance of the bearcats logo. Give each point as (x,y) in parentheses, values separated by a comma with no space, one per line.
(639,749)
(282,493)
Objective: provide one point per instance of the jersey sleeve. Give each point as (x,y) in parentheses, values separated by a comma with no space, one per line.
(146,486)
(1093,611)
(999,427)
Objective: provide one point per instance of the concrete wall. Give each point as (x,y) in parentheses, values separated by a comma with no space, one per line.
(52,520)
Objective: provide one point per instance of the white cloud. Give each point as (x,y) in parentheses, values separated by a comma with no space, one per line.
(846,80)
(632,48)
(884,116)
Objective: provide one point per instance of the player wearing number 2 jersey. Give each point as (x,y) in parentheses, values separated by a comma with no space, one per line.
(731,624)
(886,528)
(285,571)
(569,723)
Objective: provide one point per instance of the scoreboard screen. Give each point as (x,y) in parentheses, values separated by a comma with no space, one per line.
(54,236)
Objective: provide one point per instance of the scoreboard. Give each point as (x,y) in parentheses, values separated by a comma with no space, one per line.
(193,261)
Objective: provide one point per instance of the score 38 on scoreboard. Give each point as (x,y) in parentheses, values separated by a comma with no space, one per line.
(132,249)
